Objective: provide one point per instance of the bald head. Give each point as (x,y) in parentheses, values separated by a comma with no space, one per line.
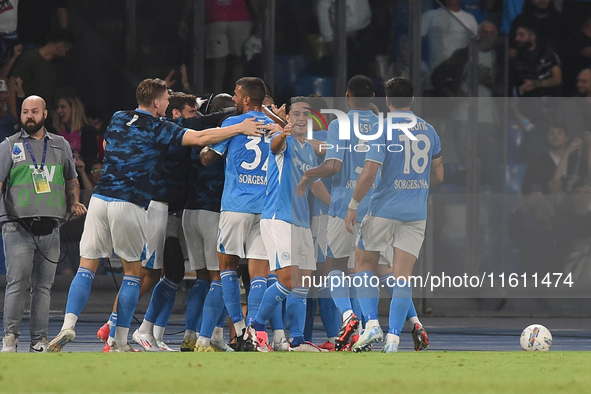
(221,101)
(33,115)
(488,29)
(36,101)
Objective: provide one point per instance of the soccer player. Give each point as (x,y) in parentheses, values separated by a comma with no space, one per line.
(166,242)
(205,305)
(285,227)
(344,160)
(239,234)
(136,143)
(397,210)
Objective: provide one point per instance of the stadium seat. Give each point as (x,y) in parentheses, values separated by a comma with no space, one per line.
(288,69)
(310,84)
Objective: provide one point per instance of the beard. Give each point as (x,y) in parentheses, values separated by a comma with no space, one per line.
(31,127)
(540,10)
(524,46)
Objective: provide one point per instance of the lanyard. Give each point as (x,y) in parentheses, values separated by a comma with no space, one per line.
(33,156)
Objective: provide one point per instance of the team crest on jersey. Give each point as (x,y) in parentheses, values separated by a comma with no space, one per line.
(18,153)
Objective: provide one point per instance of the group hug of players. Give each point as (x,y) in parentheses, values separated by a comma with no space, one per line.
(247,199)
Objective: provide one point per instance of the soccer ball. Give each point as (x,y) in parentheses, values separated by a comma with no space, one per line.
(536,338)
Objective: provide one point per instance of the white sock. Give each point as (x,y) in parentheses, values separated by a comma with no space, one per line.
(204,341)
(372,323)
(414,320)
(121,334)
(218,334)
(70,321)
(146,327)
(239,326)
(332,339)
(347,315)
(278,335)
(391,338)
(159,333)
(190,334)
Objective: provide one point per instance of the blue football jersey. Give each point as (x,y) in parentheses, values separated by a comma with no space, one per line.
(405,173)
(351,153)
(285,171)
(137,144)
(245,185)
(317,207)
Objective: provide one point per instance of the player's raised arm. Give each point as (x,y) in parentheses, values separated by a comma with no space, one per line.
(278,142)
(248,127)
(364,182)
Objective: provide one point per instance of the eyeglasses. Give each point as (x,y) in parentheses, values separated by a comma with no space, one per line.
(94,171)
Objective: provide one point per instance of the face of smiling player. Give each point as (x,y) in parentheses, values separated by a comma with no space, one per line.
(298,117)
(161,103)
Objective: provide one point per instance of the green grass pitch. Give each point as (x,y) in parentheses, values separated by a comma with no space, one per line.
(407,372)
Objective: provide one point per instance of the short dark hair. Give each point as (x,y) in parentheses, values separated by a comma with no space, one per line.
(254,88)
(61,35)
(94,113)
(294,100)
(178,100)
(527,24)
(399,92)
(556,124)
(149,90)
(360,88)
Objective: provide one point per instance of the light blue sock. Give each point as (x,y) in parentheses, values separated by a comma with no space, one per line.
(356,305)
(276,319)
(401,300)
(272,299)
(386,284)
(129,294)
(258,286)
(231,289)
(212,308)
(222,319)
(79,291)
(195,304)
(296,314)
(339,290)
(114,326)
(164,316)
(329,314)
(368,295)
(163,291)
